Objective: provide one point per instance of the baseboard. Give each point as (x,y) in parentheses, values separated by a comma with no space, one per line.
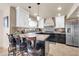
(72,46)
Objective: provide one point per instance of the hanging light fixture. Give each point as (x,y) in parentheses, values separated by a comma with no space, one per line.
(29,13)
(38,17)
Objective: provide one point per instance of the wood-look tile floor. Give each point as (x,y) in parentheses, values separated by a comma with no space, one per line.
(54,50)
(3,52)
(62,50)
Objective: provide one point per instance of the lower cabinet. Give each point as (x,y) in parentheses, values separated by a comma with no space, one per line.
(58,38)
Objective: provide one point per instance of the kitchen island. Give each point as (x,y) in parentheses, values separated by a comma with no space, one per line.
(51,37)
(54,37)
(44,37)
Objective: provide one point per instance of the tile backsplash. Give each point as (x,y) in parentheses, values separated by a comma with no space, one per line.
(49,28)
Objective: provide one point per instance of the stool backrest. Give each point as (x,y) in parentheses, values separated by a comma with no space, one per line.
(11,39)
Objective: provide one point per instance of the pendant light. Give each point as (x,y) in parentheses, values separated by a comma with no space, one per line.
(38,17)
(29,13)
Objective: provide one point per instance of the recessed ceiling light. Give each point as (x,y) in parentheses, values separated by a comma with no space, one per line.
(59,14)
(59,8)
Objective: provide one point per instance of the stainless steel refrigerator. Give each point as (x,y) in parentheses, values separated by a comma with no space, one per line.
(72,32)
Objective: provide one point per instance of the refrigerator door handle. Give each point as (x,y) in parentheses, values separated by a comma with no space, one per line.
(69,30)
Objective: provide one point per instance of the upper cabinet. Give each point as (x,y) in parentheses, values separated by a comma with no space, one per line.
(32,24)
(41,23)
(60,22)
(21,17)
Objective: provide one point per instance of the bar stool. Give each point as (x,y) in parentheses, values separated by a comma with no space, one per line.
(31,43)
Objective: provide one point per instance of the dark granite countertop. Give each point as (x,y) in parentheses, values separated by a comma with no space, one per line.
(49,33)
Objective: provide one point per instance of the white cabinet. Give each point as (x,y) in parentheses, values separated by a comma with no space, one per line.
(21,17)
(32,24)
(59,22)
(41,23)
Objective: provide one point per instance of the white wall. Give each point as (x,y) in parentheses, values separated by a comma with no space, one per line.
(6,11)
(1,30)
(3,37)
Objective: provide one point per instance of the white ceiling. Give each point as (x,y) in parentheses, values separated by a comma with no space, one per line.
(76,12)
(46,9)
